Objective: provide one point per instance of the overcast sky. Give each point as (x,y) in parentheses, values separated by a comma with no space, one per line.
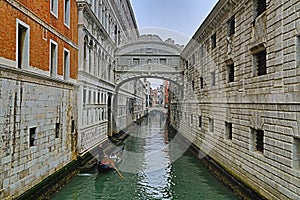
(178,19)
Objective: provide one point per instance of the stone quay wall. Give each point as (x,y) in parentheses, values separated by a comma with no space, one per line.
(36,119)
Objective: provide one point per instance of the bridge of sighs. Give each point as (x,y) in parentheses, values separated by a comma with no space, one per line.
(149,57)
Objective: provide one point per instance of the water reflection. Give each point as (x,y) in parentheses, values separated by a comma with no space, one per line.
(155,179)
(150,171)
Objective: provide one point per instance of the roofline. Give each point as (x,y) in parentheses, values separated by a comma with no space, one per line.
(133,17)
(213,13)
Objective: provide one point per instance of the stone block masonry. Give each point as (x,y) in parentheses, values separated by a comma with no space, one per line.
(245,90)
(36,117)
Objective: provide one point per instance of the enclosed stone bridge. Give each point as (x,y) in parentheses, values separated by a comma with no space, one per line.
(148,57)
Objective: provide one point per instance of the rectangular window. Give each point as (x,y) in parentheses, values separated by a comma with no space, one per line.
(230,72)
(22,48)
(259,7)
(228,130)
(193,84)
(54,7)
(192,119)
(136,61)
(231,26)
(99,97)
(67,13)
(53,58)
(57,130)
(90,97)
(32,136)
(257,137)
(73,126)
(211,124)
(213,78)
(66,64)
(163,61)
(116,34)
(187,64)
(296,153)
(94,95)
(260,62)
(200,121)
(84,95)
(213,41)
(201,83)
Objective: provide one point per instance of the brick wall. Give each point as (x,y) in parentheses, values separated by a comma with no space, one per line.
(40,35)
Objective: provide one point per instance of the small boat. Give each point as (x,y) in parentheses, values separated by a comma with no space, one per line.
(109,163)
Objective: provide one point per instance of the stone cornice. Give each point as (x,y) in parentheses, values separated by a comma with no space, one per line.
(20,7)
(213,20)
(132,15)
(139,42)
(120,20)
(22,75)
(94,78)
(91,17)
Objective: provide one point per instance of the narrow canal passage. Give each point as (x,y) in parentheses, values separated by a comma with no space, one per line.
(154,167)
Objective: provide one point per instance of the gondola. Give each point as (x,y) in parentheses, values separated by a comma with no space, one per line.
(109,163)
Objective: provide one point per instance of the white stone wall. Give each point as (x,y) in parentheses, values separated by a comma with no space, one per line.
(268,102)
(33,101)
(127,92)
(103,26)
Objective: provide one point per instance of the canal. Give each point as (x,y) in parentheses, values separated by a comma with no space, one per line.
(153,166)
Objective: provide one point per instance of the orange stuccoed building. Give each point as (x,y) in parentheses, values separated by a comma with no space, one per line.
(38,91)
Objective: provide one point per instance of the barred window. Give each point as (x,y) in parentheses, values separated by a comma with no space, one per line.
(213,78)
(57,130)
(257,138)
(211,125)
(230,71)
(200,121)
(259,6)
(213,41)
(32,136)
(260,61)
(228,130)
(231,26)
(201,83)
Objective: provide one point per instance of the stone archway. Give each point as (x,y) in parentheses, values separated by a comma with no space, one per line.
(147,57)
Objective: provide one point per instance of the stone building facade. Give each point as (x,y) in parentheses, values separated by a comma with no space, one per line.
(242,93)
(102,27)
(38,72)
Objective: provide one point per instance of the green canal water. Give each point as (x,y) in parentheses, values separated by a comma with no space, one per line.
(154,167)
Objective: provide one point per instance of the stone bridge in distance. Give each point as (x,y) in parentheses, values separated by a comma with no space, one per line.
(148,57)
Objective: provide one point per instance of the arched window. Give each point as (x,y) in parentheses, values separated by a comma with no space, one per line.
(85,50)
(95,66)
(99,63)
(90,56)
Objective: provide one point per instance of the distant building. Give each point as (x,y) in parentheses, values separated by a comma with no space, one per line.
(147,93)
(166,93)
